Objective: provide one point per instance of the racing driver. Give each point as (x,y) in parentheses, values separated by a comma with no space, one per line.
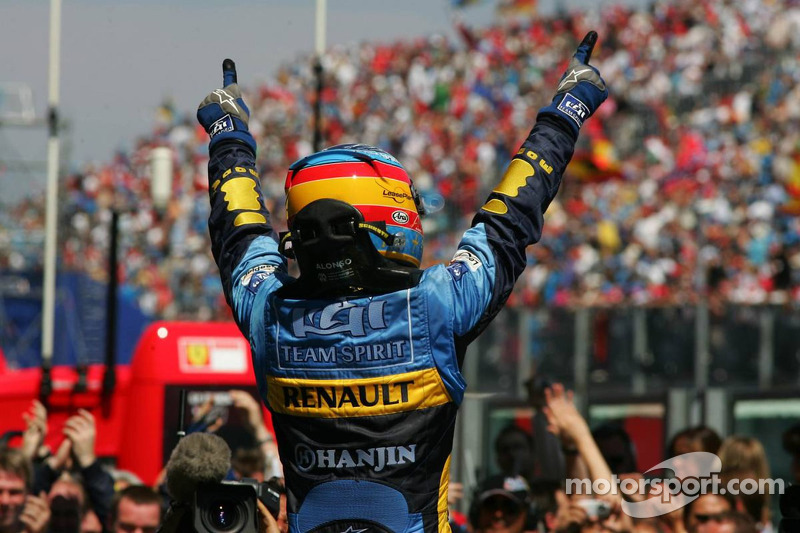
(359,358)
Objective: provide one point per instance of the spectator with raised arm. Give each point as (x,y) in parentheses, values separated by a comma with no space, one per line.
(76,454)
(254,419)
(565,420)
(35,430)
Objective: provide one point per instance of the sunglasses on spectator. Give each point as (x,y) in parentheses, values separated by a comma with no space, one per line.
(507,507)
(716,517)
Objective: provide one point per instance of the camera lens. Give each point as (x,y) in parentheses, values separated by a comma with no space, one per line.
(223,515)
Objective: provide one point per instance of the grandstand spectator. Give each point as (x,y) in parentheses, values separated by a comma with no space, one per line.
(20,510)
(744,458)
(791,444)
(705,512)
(694,439)
(513,448)
(68,505)
(136,509)
(501,505)
(689,169)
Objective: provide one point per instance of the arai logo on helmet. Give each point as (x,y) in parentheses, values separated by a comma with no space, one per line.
(401,217)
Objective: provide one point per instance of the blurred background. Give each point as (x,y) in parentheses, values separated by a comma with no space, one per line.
(665,290)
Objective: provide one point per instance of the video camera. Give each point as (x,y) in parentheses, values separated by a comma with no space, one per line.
(230,506)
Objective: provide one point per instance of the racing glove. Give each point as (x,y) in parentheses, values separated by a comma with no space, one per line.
(580,91)
(223,113)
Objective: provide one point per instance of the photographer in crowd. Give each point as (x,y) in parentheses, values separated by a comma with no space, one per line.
(74,461)
(198,464)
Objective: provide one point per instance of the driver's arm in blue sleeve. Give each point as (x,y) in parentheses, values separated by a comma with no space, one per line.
(242,239)
(491,255)
(243,242)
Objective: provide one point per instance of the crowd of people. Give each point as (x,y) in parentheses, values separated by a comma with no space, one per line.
(68,489)
(686,184)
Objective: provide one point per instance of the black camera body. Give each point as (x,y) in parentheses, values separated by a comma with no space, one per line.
(230,506)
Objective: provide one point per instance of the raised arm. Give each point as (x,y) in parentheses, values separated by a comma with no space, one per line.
(242,239)
(513,215)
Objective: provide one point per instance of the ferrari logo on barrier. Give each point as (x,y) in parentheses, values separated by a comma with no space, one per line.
(197,354)
(212,354)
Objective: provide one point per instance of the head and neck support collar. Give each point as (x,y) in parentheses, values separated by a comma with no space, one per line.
(332,246)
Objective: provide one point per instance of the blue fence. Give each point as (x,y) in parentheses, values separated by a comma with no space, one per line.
(80,320)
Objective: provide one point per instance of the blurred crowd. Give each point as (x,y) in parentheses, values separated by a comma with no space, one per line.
(552,476)
(687,183)
(67,488)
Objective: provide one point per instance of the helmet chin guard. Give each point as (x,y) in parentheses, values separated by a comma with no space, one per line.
(333,248)
(354,222)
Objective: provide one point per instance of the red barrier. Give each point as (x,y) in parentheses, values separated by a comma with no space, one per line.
(201,358)
(137,424)
(18,388)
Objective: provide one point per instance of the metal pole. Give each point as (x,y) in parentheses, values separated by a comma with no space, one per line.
(639,350)
(182,414)
(702,354)
(321,19)
(582,356)
(766,347)
(110,375)
(51,206)
(525,367)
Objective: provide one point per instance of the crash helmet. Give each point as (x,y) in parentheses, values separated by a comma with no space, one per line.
(365,181)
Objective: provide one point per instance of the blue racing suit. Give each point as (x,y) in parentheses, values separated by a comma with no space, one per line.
(364,390)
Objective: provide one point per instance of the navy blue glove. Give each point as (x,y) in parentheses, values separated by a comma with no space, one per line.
(581,89)
(223,113)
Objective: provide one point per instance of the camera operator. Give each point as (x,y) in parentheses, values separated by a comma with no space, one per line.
(199,462)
